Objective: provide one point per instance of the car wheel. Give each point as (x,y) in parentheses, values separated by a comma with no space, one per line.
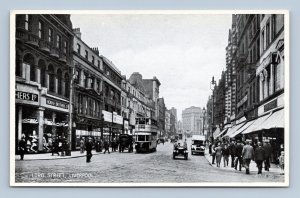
(173,156)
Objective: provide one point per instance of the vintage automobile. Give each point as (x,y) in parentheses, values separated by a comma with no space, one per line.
(180,149)
(198,145)
(125,142)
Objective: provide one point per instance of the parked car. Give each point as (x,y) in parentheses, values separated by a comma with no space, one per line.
(198,144)
(180,149)
(125,142)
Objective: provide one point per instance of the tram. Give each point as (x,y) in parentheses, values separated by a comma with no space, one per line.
(145,134)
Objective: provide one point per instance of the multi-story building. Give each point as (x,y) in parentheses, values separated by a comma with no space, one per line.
(269,123)
(152,89)
(43,61)
(191,120)
(168,123)
(179,125)
(161,116)
(219,103)
(173,110)
(230,78)
(97,93)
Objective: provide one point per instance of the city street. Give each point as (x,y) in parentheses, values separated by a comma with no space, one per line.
(131,167)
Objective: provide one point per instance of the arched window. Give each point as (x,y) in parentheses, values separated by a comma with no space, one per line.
(67,85)
(29,60)
(42,66)
(51,78)
(59,81)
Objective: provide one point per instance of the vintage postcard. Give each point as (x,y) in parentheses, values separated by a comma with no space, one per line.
(149,98)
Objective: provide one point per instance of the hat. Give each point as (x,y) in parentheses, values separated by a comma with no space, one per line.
(267,140)
(248,140)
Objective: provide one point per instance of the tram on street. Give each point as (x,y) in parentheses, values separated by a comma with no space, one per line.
(145,134)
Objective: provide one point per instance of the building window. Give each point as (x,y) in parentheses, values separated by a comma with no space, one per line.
(93,60)
(86,54)
(76,77)
(58,41)
(51,79)
(41,29)
(268,34)
(78,48)
(65,47)
(99,64)
(85,79)
(50,35)
(26,22)
(67,85)
(59,81)
(263,45)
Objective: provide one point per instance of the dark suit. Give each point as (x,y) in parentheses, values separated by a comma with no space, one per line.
(22,148)
(238,154)
(268,150)
(259,156)
(88,148)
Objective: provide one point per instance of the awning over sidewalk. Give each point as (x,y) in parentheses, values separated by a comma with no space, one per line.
(240,130)
(257,125)
(216,132)
(222,133)
(276,120)
(234,129)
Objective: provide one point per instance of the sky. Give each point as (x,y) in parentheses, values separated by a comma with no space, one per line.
(182,51)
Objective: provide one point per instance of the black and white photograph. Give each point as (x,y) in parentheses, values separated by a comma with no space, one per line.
(161,98)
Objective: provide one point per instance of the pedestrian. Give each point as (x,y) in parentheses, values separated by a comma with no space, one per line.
(82,145)
(213,153)
(225,154)
(259,156)
(232,152)
(22,148)
(88,148)
(248,155)
(268,151)
(55,147)
(106,146)
(218,150)
(238,155)
(281,162)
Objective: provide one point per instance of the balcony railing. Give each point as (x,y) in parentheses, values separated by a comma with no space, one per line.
(54,52)
(45,45)
(33,39)
(21,34)
(62,57)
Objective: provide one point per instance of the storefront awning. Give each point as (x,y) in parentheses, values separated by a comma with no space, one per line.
(257,125)
(276,120)
(240,130)
(233,129)
(216,132)
(222,132)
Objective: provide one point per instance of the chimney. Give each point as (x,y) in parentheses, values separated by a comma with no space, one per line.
(77,32)
(96,50)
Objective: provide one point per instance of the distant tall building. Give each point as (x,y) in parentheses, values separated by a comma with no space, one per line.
(191,120)
(174,112)
(179,125)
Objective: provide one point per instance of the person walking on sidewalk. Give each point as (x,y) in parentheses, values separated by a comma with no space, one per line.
(225,153)
(106,146)
(22,148)
(281,163)
(238,155)
(55,147)
(213,153)
(232,148)
(268,150)
(218,150)
(248,155)
(82,145)
(88,148)
(259,156)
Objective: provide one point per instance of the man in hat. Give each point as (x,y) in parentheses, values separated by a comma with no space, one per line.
(248,155)
(232,150)
(268,150)
(238,155)
(259,156)
(88,148)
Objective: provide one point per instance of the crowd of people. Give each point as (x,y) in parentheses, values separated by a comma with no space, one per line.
(242,153)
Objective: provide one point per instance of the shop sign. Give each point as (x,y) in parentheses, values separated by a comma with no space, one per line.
(27,96)
(57,104)
(126,125)
(107,116)
(118,119)
(270,105)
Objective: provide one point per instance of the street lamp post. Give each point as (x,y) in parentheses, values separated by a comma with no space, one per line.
(212,87)
(204,112)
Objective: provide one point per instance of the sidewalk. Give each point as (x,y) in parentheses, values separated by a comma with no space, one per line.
(48,156)
(253,169)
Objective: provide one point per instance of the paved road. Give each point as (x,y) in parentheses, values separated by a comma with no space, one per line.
(131,167)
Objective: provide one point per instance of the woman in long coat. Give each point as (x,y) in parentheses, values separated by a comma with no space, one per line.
(218,151)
